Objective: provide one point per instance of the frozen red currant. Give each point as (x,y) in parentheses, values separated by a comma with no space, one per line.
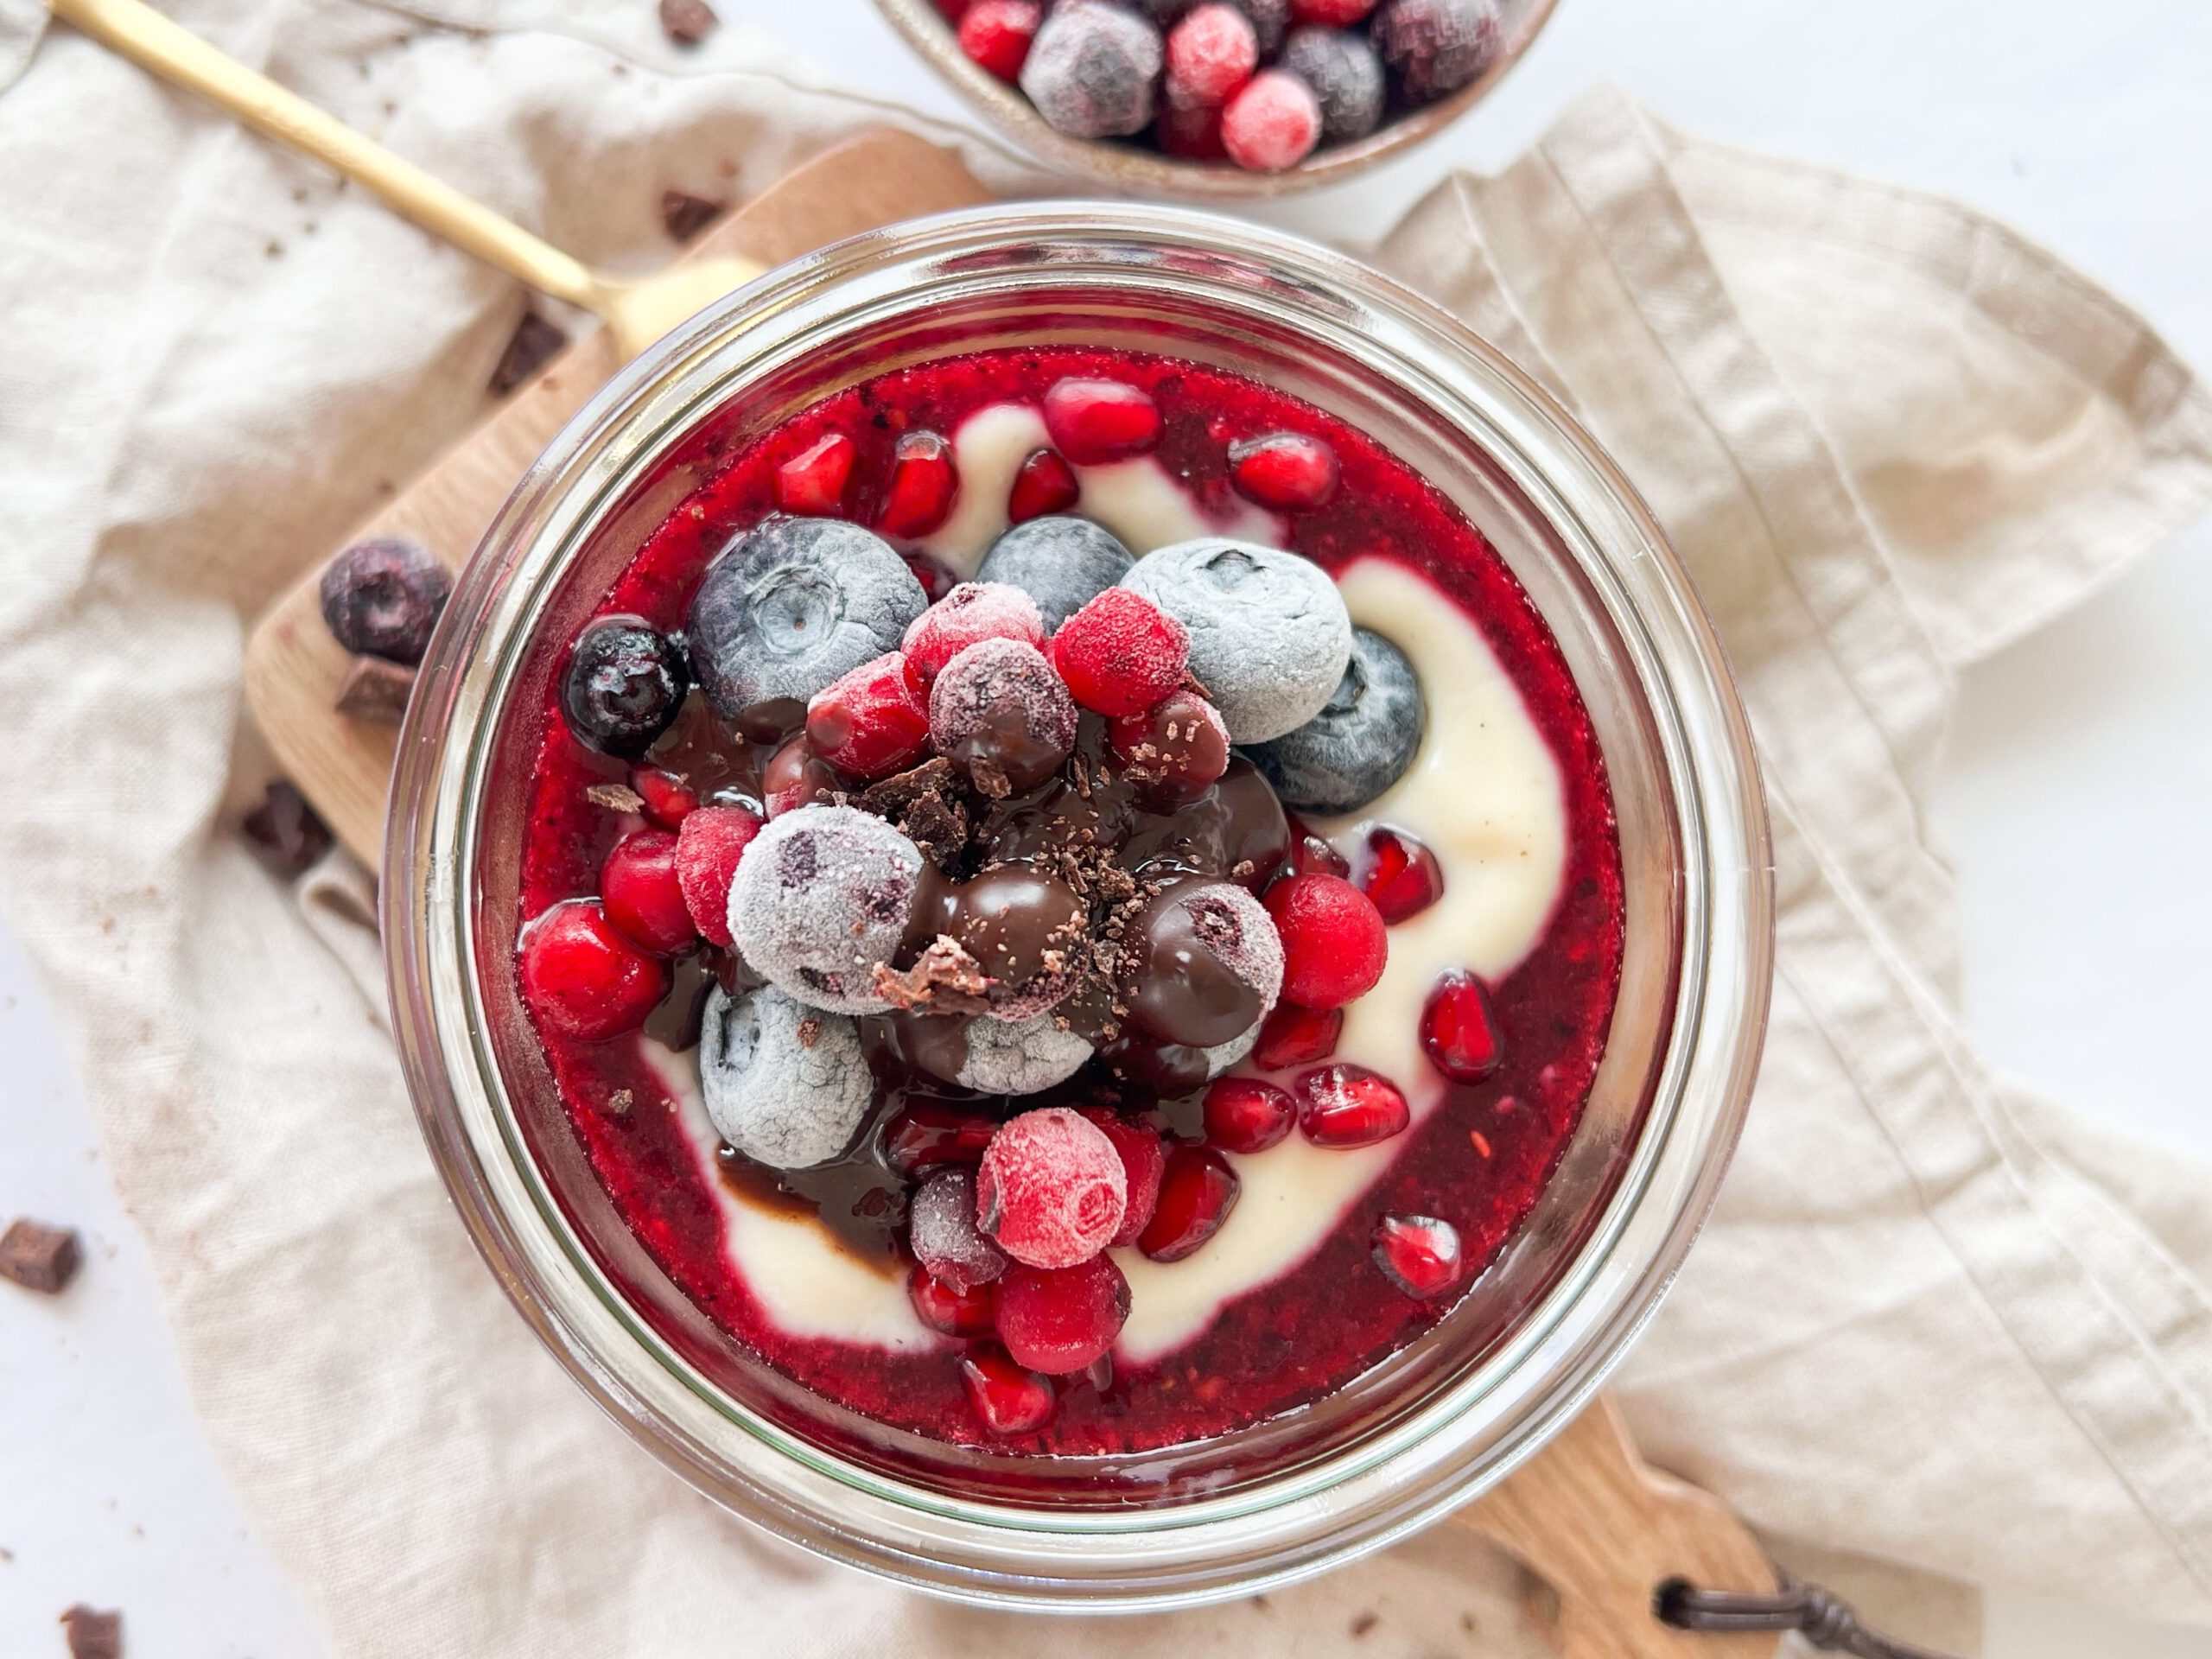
(1097,421)
(1459,1029)
(708,847)
(1418,1253)
(872,722)
(1051,1189)
(996,34)
(947,1309)
(1403,877)
(1334,942)
(971,612)
(1271,124)
(814,482)
(1120,654)
(667,799)
(918,495)
(1195,1195)
(1285,470)
(1244,1114)
(1058,1320)
(1344,1105)
(1007,1398)
(584,978)
(1210,53)
(1177,749)
(639,887)
(1144,1156)
(1296,1036)
(1045,484)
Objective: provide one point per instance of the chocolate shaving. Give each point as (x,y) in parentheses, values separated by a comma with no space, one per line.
(810,1032)
(925,805)
(687,22)
(530,348)
(286,835)
(40,1257)
(376,691)
(93,1634)
(619,1102)
(944,979)
(615,797)
(685,216)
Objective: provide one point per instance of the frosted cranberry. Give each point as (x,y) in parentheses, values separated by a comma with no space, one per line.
(708,844)
(1120,654)
(1296,1036)
(1286,470)
(996,34)
(927,1136)
(668,799)
(946,1310)
(1333,942)
(583,978)
(795,776)
(1418,1253)
(1190,132)
(1344,1105)
(1176,749)
(1051,1189)
(1210,54)
(1144,1157)
(1195,1195)
(1007,1398)
(1403,877)
(1244,1114)
(1459,1029)
(1059,1320)
(815,480)
(1271,124)
(638,887)
(971,612)
(1095,421)
(1045,484)
(872,721)
(918,493)
(1331,14)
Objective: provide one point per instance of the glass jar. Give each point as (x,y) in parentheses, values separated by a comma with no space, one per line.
(1428,1428)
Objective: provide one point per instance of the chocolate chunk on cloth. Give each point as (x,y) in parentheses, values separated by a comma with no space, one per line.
(93,1633)
(376,691)
(685,216)
(284,831)
(530,348)
(40,1257)
(687,22)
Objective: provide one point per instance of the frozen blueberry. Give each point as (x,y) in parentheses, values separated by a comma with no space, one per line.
(1092,69)
(1435,46)
(1346,78)
(1268,18)
(1061,562)
(381,598)
(1360,743)
(794,604)
(821,899)
(1019,1057)
(626,681)
(1269,634)
(1165,13)
(785,1085)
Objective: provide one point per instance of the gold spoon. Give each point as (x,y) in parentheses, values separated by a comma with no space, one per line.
(637,312)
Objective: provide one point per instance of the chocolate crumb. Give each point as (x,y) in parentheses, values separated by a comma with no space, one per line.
(286,835)
(685,216)
(94,1634)
(615,797)
(924,805)
(810,1032)
(687,22)
(619,1102)
(530,348)
(376,691)
(1364,1623)
(944,979)
(40,1257)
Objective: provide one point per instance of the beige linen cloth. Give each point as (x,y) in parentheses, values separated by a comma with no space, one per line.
(1933,1320)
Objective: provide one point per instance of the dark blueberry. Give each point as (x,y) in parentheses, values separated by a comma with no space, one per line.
(1092,69)
(1361,743)
(287,835)
(1435,46)
(1165,13)
(1268,18)
(625,683)
(381,598)
(794,604)
(1346,78)
(1061,562)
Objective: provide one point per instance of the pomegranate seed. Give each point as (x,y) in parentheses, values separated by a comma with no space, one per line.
(708,844)
(922,484)
(1311,855)
(1403,877)
(638,884)
(1120,654)
(583,978)
(1296,1036)
(1177,750)
(935,574)
(996,34)
(871,722)
(1045,484)
(1060,1320)
(814,479)
(1285,470)
(1007,1398)
(1244,1114)
(1333,942)
(1459,1029)
(668,799)
(1095,421)
(1195,1195)
(795,776)
(1418,1253)
(929,1136)
(946,1310)
(1346,1105)
(1144,1156)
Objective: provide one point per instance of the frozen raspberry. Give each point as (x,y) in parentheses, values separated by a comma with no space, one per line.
(996,34)
(1120,654)
(785,1085)
(1195,1195)
(796,776)
(872,721)
(1058,1320)
(1176,750)
(382,597)
(1210,54)
(1059,562)
(814,482)
(1435,46)
(1271,124)
(919,493)
(999,713)
(1050,1188)
(1144,1158)
(1346,78)
(1334,942)
(1093,422)
(1190,132)
(1331,14)
(1244,1114)
(1045,484)
(624,685)
(584,978)
(1459,1029)
(926,1136)
(951,1310)
(1403,877)
(1201,964)
(1019,1057)
(1090,72)
(1286,470)
(668,799)
(709,845)
(1296,1036)
(822,897)
(972,612)
(639,887)
(941,1227)
(1344,1105)
(1418,1253)
(1005,1397)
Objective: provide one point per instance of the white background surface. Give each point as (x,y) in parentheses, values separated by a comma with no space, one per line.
(2074,806)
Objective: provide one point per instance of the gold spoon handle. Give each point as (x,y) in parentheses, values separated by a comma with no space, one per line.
(151,41)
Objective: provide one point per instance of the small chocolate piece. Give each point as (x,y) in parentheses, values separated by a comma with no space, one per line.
(376,691)
(615,797)
(685,216)
(286,835)
(618,1103)
(40,1257)
(530,348)
(925,805)
(944,979)
(687,22)
(93,1634)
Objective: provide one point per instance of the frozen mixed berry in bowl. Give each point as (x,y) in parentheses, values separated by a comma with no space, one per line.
(1262,961)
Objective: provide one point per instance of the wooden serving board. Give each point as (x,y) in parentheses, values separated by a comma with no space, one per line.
(1585,1516)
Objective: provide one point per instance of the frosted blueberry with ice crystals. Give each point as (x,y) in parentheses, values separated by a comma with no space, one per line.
(1019,1057)
(821,898)
(1059,560)
(1092,69)
(1361,742)
(784,1083)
